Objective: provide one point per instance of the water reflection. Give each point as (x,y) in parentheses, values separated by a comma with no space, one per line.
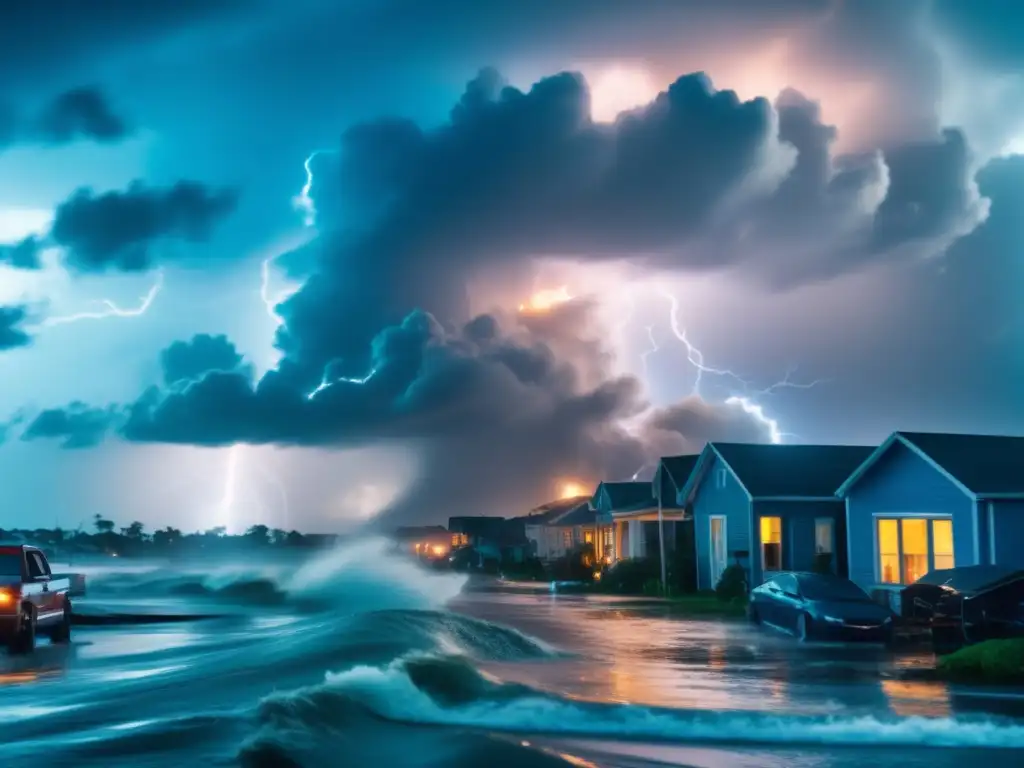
(908,698)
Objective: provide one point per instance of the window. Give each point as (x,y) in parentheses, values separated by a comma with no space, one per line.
(787,584)
(588,537)
(567,538)
(889,551)
(771,543)
(942,544)
(608,534)
(823,536)
(910,547)
(720,478)
(36,568)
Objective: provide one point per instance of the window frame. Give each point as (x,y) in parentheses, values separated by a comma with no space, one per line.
(831,535)
(760,543)
(930,518)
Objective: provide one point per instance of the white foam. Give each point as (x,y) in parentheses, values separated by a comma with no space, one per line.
(391,694)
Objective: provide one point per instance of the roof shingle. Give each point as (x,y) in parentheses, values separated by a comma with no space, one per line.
(985,464)
(810,471)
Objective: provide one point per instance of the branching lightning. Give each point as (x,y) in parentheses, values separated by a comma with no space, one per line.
(744,401)
(110,308)
(303,202)
(655,347)
(230,497)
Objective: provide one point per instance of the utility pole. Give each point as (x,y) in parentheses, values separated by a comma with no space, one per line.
(661,530)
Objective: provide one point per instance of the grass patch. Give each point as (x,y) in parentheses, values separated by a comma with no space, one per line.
(707,605)
(993,661)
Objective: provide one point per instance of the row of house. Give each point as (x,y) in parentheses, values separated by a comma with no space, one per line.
(884,516)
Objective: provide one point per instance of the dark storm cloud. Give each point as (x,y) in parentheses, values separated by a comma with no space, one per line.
(82,113)
(686,426)
(22,255)
(77,426)
(117,230)
(41,39)
(188,361)
(12,333)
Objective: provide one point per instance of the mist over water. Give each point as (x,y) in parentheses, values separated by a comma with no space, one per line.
(359,649)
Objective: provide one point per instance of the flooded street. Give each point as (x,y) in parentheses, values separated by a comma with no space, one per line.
(641,653)
(404,668)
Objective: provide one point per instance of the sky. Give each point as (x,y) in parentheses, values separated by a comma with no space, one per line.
(322,264)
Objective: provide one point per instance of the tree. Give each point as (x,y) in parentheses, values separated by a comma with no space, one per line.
(134,531)
(258,534)
(102,524)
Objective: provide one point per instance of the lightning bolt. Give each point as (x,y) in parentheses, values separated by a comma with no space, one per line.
(655,347)
(230,496)
(110,308)
(744,401)
(327,383)
(302,201)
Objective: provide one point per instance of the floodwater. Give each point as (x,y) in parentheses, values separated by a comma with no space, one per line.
(358,658)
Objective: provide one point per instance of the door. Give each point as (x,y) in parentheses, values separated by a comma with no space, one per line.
(719,549)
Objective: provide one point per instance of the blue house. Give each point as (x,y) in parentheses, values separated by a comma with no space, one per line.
(925,501)
(769,508)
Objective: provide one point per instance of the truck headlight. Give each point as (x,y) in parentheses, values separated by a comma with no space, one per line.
(6,599)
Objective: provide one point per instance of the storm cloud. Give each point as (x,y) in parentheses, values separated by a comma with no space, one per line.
(12,333)
(121,230)
(380,344)
(82,113)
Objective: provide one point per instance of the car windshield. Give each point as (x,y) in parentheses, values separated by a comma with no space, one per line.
(823,588)
(10,565)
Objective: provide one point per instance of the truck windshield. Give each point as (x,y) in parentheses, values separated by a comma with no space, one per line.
(10,565)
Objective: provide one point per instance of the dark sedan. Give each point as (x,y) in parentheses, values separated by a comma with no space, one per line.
(819,607)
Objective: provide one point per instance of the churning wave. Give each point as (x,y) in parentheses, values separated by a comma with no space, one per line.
(360,576)
(449,691)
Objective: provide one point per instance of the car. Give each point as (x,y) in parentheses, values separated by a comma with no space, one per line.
(816,606)
(966,605)
(33,599)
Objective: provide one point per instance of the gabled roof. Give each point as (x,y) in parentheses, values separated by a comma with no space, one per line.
(982,466)
(582,514)
(678,468)
(771,471)
(626,494)
(548,513)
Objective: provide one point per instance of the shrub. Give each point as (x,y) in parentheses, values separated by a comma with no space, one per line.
(733,584)
(577,565)
(993,661)
(631,576)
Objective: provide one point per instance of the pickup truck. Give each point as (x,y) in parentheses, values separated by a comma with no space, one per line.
(33,599)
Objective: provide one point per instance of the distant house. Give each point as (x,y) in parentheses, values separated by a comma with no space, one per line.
(768,508)
(492,537)
(925,501)
(625,511)
(557,528)
(423,539)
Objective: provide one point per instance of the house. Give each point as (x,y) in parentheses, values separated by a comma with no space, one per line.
(768,508)
(492,537)
(423,539)
(627,515)
(555,529)
(927,501)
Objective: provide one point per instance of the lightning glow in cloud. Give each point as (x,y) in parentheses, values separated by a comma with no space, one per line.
(110,308)
(696,358)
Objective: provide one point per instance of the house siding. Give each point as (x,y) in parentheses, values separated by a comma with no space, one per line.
(1008,532)
(903,483)
(730,501)
(798,534)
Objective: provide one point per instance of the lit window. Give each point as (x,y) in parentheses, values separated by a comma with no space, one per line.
(588,537)
(908,548)
(889,551)
(771,543)
(942,543)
